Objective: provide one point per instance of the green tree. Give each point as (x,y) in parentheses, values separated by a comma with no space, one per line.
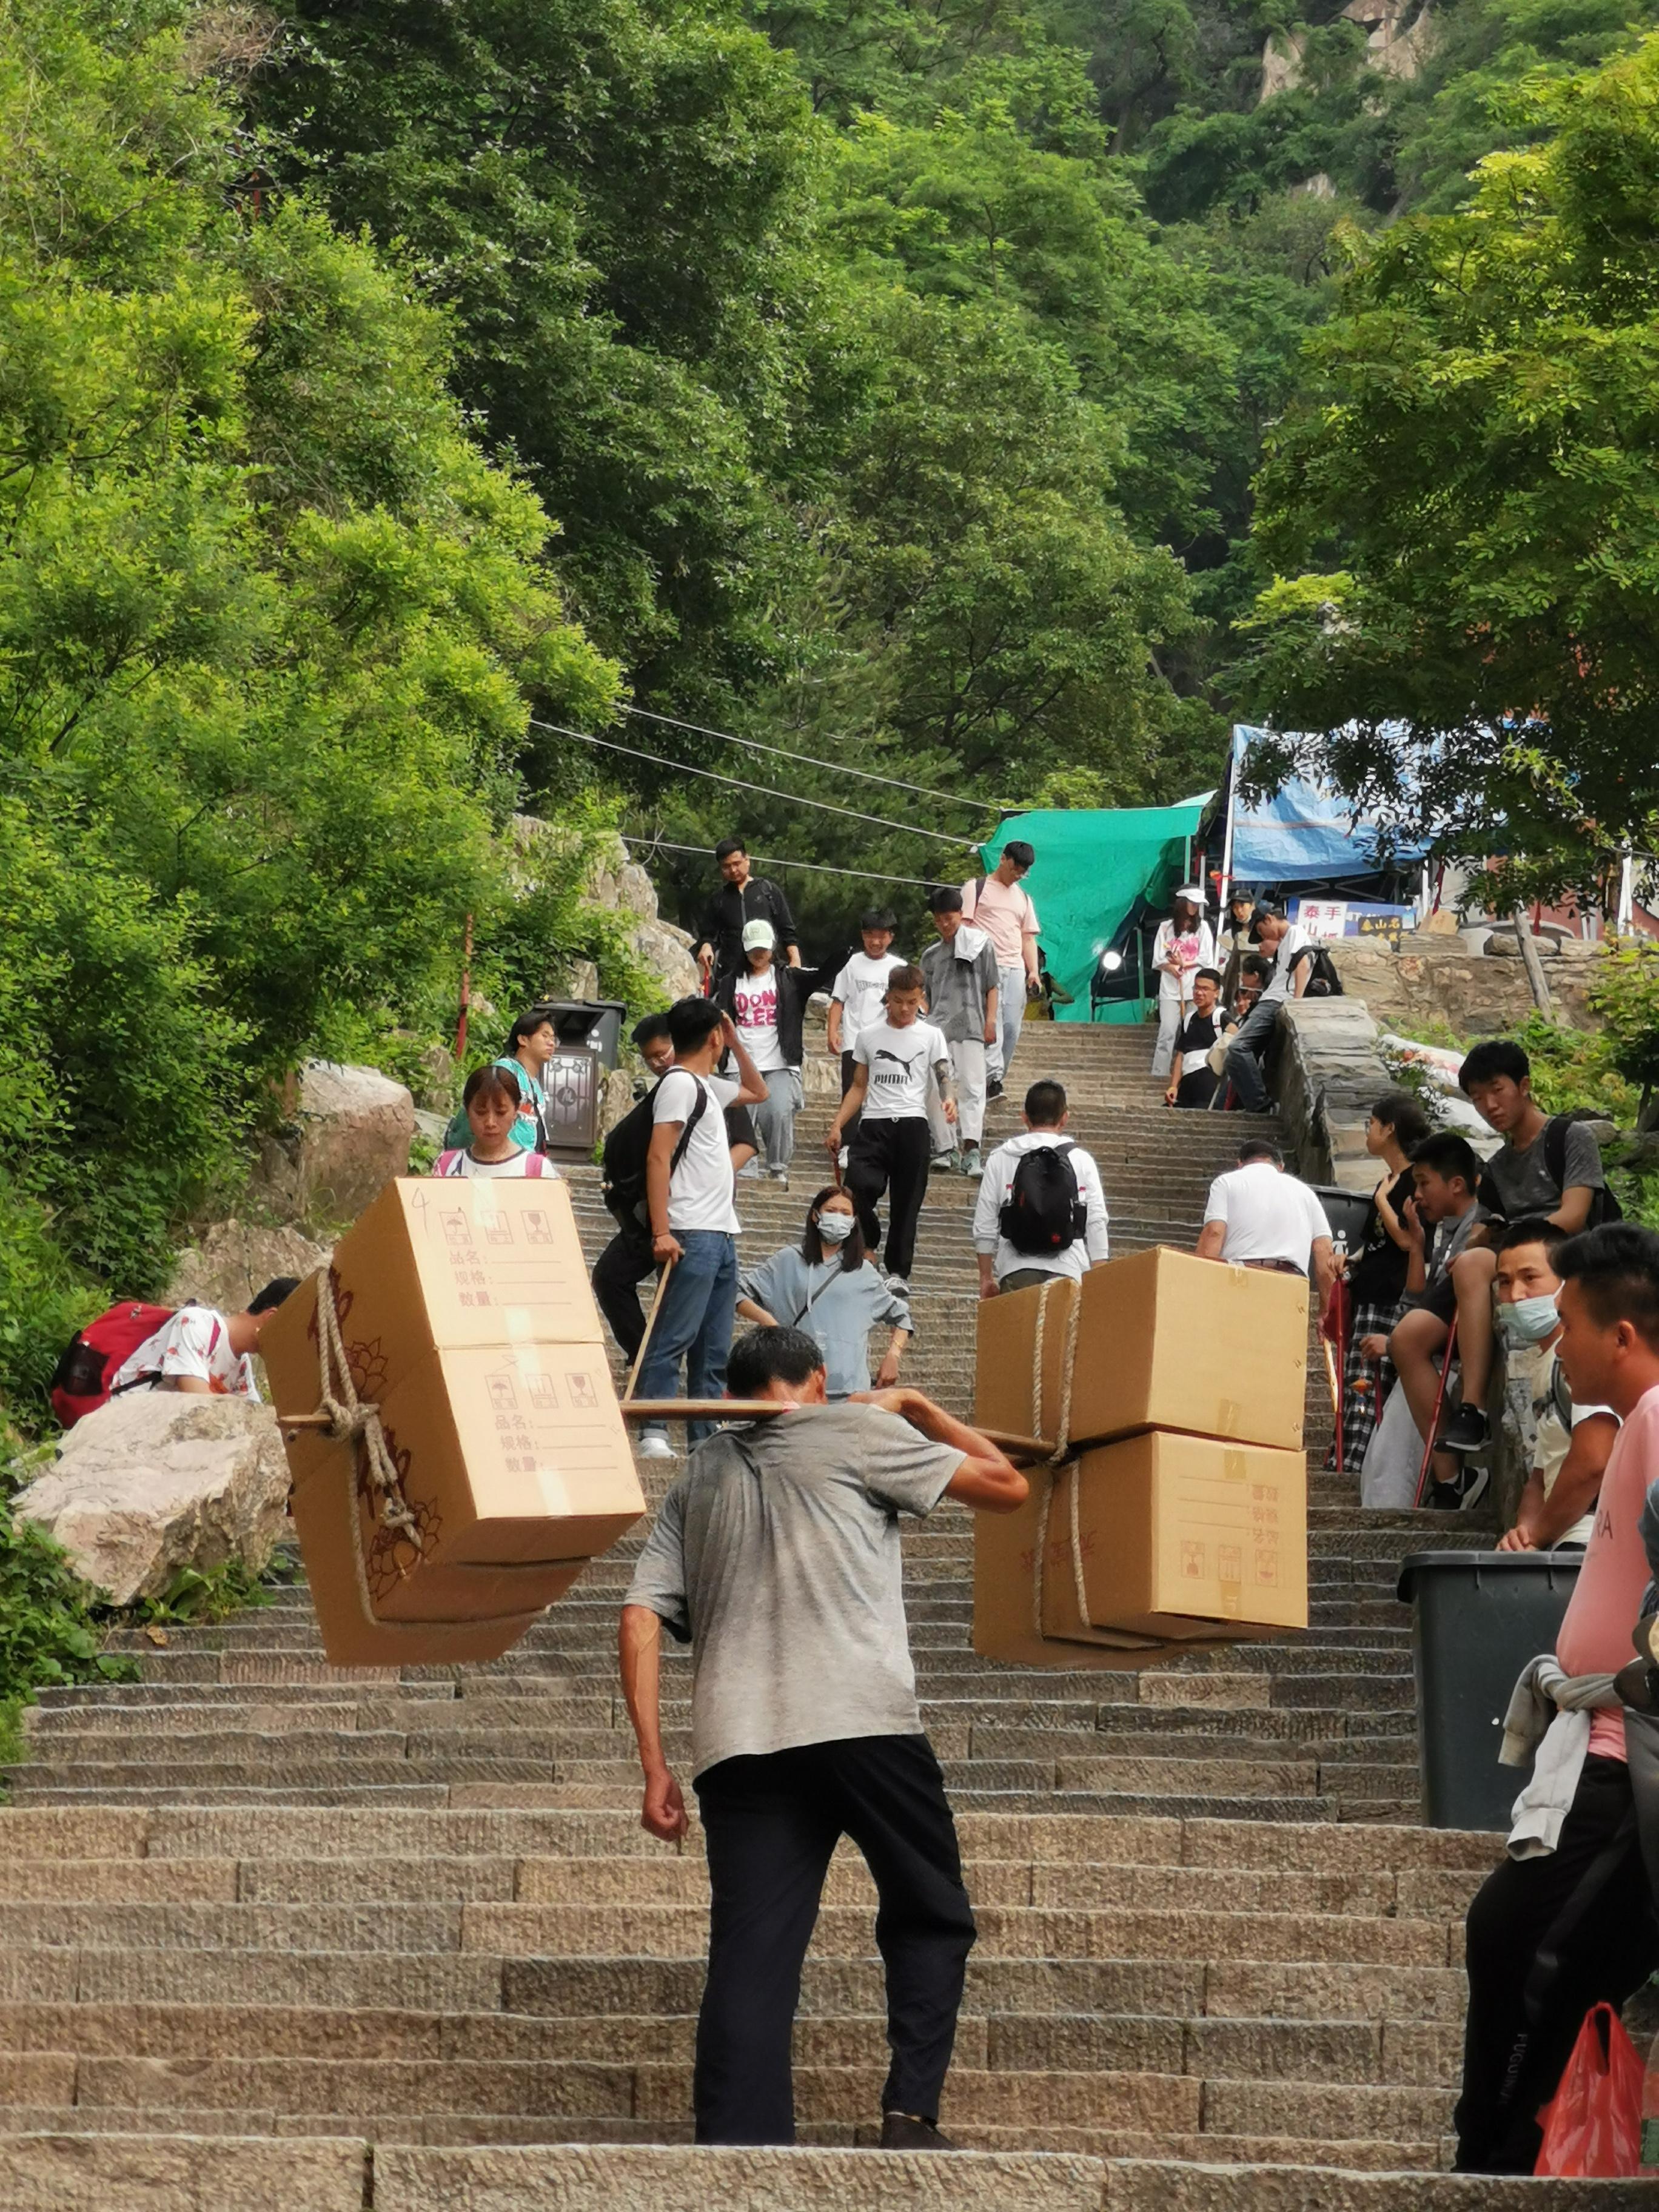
(270,626)
(1464,515)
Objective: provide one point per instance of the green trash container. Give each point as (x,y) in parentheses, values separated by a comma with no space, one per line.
(1477,1617)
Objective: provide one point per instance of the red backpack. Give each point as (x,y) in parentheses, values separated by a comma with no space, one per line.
(80,1381)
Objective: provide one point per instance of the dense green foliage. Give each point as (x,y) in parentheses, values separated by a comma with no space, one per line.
(1471,497)
(269,624)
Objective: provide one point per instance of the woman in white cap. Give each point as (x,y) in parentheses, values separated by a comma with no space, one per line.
(768,1005)
(1183,944)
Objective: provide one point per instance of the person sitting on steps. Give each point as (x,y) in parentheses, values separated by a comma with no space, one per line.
(1288,950)
(1568,1444)
(1451,1281)
(1517,1180)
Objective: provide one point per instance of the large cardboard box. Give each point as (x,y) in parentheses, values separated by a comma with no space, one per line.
(1166,1342)
(1185,1543)
(437,1265)
(466,1317)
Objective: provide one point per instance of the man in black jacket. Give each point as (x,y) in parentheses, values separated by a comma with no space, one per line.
(742,898)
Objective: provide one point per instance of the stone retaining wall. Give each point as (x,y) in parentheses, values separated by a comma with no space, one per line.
(1436,978)
(1328,1074)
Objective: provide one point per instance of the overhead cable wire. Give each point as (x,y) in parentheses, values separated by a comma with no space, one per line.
(777,861)
(767,790)
(811,760)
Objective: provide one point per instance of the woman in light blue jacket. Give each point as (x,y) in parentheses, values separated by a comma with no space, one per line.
(828,1287)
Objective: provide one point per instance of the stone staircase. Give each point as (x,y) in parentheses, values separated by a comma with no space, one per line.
(279,1934)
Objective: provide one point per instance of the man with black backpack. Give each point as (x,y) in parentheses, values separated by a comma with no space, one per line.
(1041,1210)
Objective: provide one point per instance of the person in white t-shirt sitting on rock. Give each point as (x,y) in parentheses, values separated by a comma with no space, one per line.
(202,1351)
(1257,1216)
(856,995)
(1040,1211)
(767,1002)
(690,1195)
(1291,953)
(492,1106)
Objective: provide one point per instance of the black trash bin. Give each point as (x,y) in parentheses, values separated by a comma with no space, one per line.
(587,1025)
(1477,1617)
(1348,1211)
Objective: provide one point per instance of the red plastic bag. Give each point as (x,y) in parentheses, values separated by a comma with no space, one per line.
(1593,2124)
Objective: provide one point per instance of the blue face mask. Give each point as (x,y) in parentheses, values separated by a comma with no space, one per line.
(835,1228)
(1529,1321)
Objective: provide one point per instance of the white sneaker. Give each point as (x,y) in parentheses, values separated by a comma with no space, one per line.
(653,1444)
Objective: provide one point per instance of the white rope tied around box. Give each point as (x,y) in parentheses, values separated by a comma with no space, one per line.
(352,1419)
(1062,1450)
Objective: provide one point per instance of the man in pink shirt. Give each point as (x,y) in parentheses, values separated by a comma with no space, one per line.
(1551,1936)
(997,905)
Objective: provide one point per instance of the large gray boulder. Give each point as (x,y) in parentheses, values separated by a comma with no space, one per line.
(231,1261)
(348,1135)
(158,1479)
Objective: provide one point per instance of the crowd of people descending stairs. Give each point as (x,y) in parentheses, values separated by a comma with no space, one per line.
(1180,1915)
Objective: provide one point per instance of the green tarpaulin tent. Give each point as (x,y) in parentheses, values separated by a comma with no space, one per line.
(1092,864)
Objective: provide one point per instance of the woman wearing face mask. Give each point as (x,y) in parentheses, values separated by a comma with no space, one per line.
(829,1288)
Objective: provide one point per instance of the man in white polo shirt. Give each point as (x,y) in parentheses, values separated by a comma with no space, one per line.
(1257,1216)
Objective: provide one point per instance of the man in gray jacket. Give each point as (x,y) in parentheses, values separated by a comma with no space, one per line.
(961,973)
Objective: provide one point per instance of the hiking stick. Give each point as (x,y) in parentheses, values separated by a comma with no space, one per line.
(650,1323)
(1434,1418)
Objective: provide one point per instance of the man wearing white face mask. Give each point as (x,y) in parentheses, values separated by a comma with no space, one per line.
(1570,1443)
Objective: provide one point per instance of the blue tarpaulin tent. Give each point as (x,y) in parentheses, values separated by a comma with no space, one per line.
(1305,835)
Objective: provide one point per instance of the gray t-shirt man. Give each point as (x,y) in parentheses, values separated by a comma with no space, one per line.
(1521,1182)
(777,1554)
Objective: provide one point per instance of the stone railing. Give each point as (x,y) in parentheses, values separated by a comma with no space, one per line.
(1328,1074)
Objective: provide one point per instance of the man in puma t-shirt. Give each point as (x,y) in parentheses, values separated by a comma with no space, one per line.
(1552,1934)
(893,1060)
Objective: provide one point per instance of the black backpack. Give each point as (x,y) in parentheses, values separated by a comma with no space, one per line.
(1323,982)
(1604,1207)
(622,1164)
(1044,1212)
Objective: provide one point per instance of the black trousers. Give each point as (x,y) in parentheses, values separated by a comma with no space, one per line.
(772,1823)
(623,1265)
(891,1155)
(848,1128)
(1547,1939)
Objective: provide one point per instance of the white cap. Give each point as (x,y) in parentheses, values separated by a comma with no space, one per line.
(1194,892)
(757,935)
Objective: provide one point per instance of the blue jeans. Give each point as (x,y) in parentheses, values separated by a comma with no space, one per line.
(1242,1066)
(694,1324)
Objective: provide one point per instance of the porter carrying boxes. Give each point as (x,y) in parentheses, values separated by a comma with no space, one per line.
(1144,1534)
(466,1456)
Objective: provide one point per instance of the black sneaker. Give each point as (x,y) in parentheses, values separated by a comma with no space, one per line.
(993,1089)
(904,2131)
(1443,1498)
(1475,1483)
(1464,1431)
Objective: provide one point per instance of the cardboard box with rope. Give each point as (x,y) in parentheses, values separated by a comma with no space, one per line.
(1144,1537)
